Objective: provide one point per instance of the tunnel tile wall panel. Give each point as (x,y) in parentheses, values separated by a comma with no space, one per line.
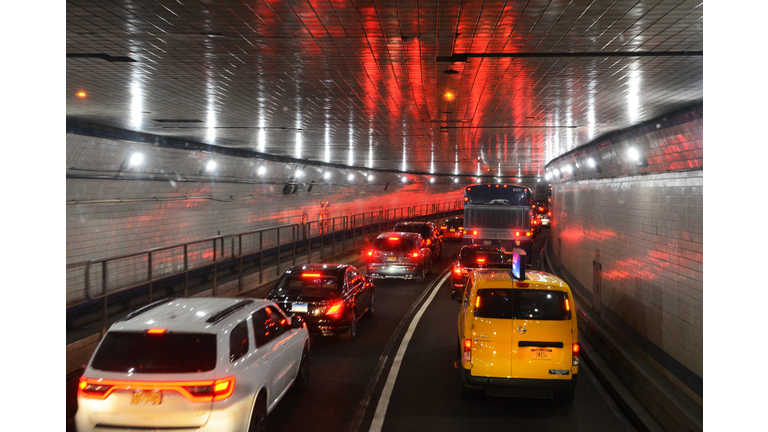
(651,258)
(144,220)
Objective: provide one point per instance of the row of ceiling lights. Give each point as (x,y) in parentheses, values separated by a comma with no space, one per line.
(633,155)
(136,159)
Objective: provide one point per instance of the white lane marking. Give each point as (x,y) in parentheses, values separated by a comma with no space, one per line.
(362,408)
(386,393)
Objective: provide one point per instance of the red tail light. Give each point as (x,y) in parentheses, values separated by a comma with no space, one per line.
(370,253)
(335,310)
(415,254)
(467,355)
(481,260)
(194,391)
(461,228)
(457,270)
(393,238)
(474,232)
(576,348)
(549,213)
(567,305)
(311,275)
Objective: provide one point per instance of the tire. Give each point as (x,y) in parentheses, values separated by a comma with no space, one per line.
(302,377)
(420,279)
(466,392)
(565,397)
(369,312)
(349,336)
(259,415)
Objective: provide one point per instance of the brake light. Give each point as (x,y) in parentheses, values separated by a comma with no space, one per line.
(467,355)
(334,311)
(549,213)
(567,305)
(477,302)
(415,254)
(457,270)
(156,331)
(442,227)
(461,228)
(370,253)
(194,391)
(394,238)
(576,348)
(310,275)
(522,284)
(474,232)
(481,260)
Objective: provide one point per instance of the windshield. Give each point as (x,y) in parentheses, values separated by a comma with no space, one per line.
(394,244)
(169,352)
(313,283)
(454,223)
(522,304)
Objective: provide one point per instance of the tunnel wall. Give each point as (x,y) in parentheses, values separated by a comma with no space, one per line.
(115,210)
(629,232)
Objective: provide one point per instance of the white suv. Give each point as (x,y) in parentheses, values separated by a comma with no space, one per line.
(193,364)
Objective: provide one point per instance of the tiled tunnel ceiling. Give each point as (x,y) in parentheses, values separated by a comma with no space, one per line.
(446,87)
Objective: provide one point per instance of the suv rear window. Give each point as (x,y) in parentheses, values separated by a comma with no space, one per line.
(470,257)
(385,244)
(140,352)
(521,304)
(319,284)
(424,230)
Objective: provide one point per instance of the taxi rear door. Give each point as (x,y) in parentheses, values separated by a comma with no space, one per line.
(541,335)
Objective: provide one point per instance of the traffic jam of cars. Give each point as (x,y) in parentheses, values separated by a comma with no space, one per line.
(223,364)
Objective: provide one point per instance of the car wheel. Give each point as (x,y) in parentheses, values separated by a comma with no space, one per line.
(466,392)
(259,415)
(352,331)
(302,377)
(565,397)
(369,312)
(420,279)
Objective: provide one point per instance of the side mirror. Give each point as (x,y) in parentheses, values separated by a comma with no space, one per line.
(297,321)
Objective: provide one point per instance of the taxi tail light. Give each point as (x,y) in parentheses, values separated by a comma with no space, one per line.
(467,354)
(415,254)
(215,390)
(576,348)
(92,390)
(335,309)
(457,270)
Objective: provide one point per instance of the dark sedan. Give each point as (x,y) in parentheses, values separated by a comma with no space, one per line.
(472,257)
(331,298)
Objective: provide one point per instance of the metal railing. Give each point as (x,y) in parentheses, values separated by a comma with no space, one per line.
(147,268)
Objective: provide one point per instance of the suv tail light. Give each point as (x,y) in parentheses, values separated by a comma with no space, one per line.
(467,355)
(457,270)
(194,391)
(335,309)
(576,349)
(216,390)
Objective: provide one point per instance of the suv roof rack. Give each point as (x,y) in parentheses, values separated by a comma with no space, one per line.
(215,318)
(134,314)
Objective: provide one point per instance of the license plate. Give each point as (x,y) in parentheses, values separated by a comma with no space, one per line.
(541,354)
(146,397)
(391,258)
(299,307)
(453,230)
(487,242)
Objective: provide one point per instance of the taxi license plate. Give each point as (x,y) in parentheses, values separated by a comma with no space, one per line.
(299,307)
(146,397)
(391,258)
(541,354)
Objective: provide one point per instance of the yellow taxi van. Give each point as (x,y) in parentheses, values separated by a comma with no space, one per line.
(517,335)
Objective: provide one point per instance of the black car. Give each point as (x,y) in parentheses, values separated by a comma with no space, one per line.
(429,232)
(472,257)
(453,228)
(331,298)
